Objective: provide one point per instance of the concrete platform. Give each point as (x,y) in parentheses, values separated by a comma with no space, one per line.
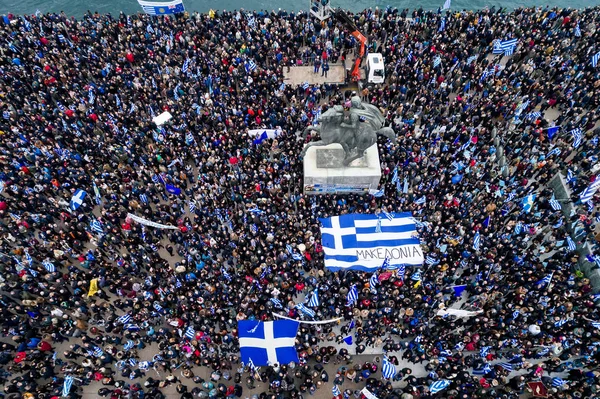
(300,74)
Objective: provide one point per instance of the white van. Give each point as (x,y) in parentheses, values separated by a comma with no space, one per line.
(375,68)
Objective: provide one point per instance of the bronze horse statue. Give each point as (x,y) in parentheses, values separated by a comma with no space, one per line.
(351,140)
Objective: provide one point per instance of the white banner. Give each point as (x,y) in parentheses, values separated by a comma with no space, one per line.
(458,312)
(149,223)
(309,322)
(368,394)
(271,133)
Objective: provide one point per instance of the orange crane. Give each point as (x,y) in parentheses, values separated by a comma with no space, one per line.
(349,24)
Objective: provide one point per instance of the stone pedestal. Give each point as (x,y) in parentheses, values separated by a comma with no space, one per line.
(325,173)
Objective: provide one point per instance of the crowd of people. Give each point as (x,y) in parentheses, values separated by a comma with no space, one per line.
(476,148)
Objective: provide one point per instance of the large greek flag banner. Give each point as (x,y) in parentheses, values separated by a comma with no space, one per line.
(363,241)
(269,342)
(162,7)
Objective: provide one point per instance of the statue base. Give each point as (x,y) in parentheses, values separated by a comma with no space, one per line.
(325,173)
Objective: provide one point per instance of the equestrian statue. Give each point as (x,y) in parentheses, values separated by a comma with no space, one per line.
(355,132)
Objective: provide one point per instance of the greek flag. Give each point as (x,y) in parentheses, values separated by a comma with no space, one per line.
(409,57)
(421,200)
(277,303)
(395,175)
(570,244)
(190,332)
(484,370)
(506,366)
(336,390)
(442,25)
(308,312)
(132,362)
(595,59)
(124,319)
(447,4)
(162,7)
(437,61)
(157,307)
(506,47)
(128,345)
(149,28)
(352,296)
(577,30)
(251,21)
(476,241)
(558,382)
(96,226)
(555,204)
(438,386)
(250,66)
(561,322)
(471,59)
(527,203)
(256,211)
(589,192)
(373,281)
(577,136)
(401,272)
(545,280)
(269,342)
(352,241)
(533,115)
(186,65)
(98,352)
(314,299)
(77,199)
(192,205)
(556,151)
(596,324)
(378,193)
(305,85)
(68,383)
(49,266)
(388,370)
(484,351)
(144,198)
(416,276)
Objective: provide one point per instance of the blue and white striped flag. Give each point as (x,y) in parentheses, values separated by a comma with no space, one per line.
(482,371)
(192,206)
(308,312)
(546,280)
(589,192)
(561,322)
(395,175)
(476,241)
(558,382)
(305,85)
(336,390)
(484,351)
(438,386)
(471,59)
(401,272)
(577,30)
(533,115)
(250,66)
(314,299)
(388,370)
(190,333)
(277,303)
(352,296)
(96,226)
(571,244)
(595,59)
(49,266)
(506,47)
(144,198)
(373,281)
(437,61)
(421,200)
(157,307)
(596,324)
(124,319)
(256,211)
(555,204)
(68,383)
(186,65)
(577,136)
(129,345)
(149,29)
(442,24)
(506,366)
